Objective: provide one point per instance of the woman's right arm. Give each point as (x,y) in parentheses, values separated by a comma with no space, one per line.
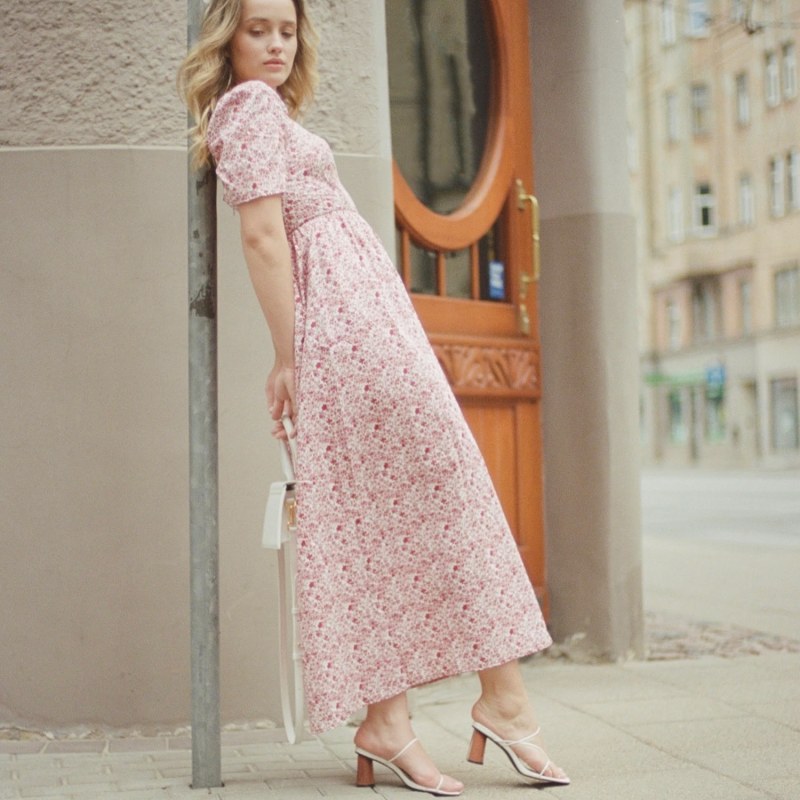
(269,262)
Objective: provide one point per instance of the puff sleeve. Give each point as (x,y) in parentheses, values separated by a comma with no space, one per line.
(246,137)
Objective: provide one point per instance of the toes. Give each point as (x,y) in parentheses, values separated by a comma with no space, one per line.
(553,771)
(451,784)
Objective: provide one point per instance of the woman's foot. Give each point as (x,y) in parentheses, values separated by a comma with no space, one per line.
(512,719)
(414,761)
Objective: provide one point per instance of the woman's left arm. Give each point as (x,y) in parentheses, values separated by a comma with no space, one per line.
(269,262)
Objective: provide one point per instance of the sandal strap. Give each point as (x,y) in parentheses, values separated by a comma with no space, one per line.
(440,783)
(524,739)
(395,757)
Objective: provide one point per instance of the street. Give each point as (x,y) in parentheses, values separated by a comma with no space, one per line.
(723,547)
(760,508)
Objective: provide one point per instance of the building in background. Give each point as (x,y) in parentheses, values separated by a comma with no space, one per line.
(715,161)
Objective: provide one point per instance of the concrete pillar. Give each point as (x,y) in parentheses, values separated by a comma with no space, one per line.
(352,105)
(588,327)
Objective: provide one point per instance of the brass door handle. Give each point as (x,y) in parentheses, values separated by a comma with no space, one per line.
(527,278)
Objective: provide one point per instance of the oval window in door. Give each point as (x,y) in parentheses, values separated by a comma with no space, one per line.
(452,169)
(440,80)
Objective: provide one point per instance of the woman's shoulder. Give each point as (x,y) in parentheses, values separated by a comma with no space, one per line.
(245,104)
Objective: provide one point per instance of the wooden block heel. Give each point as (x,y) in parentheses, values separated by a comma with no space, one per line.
(477,747)
(365,774)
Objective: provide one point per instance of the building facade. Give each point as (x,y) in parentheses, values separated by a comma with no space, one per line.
(715,130)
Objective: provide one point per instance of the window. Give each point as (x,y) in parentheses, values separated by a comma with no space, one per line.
(789,70)
(747,202)
(698,20)
(783,401)
(715,413)
(677,425)
(746,307)
(772,80)
(742,99)
(675,215)
(776,195)
(793,179)
(703,211)
(673,314)
(668,27)
(787,297)
(704,312)
(700,109)
(671,108)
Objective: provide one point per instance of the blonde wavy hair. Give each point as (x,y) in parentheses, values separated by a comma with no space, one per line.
(206,72)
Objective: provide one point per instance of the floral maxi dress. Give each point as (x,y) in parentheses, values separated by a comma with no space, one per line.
(407,570)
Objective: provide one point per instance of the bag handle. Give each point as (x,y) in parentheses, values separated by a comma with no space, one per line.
(292,700)
(287,449)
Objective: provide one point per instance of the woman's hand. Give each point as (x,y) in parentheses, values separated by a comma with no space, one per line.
(281,397)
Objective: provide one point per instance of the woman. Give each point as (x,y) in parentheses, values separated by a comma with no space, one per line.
(407,572)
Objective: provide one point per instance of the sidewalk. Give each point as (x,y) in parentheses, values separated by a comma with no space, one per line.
(708,728)
(714,715)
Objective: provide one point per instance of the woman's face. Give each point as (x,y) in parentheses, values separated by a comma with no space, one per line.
(265,43)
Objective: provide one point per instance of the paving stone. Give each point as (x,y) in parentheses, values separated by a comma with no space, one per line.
(129,745)
(142,783)
(301,782)
(319,763)
(781,788)
(687,739)
(284,774)
(755,764)
(15,747)
(48,778)
(275,750)
(126,758)
(631,712)
(76,746)
(123,773)
(173,772)
(141,794)
(266,760)
(46,791)
(242,768)
(786,713)
(269,736)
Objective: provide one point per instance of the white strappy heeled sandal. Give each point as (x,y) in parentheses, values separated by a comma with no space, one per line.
(365,774)
(477,748)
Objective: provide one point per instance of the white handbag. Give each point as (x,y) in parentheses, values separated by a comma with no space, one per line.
(280,521)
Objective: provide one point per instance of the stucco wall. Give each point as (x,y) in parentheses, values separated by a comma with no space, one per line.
(93,353)
(94,72)
(102,72)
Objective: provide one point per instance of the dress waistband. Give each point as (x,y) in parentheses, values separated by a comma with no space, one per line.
(347,209)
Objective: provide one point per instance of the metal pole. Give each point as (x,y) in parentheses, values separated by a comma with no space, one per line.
(203,476)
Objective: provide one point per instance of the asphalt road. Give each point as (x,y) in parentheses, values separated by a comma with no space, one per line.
(723,547)
(744,507)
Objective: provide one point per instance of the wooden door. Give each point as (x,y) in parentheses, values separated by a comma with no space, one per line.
(468,228)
